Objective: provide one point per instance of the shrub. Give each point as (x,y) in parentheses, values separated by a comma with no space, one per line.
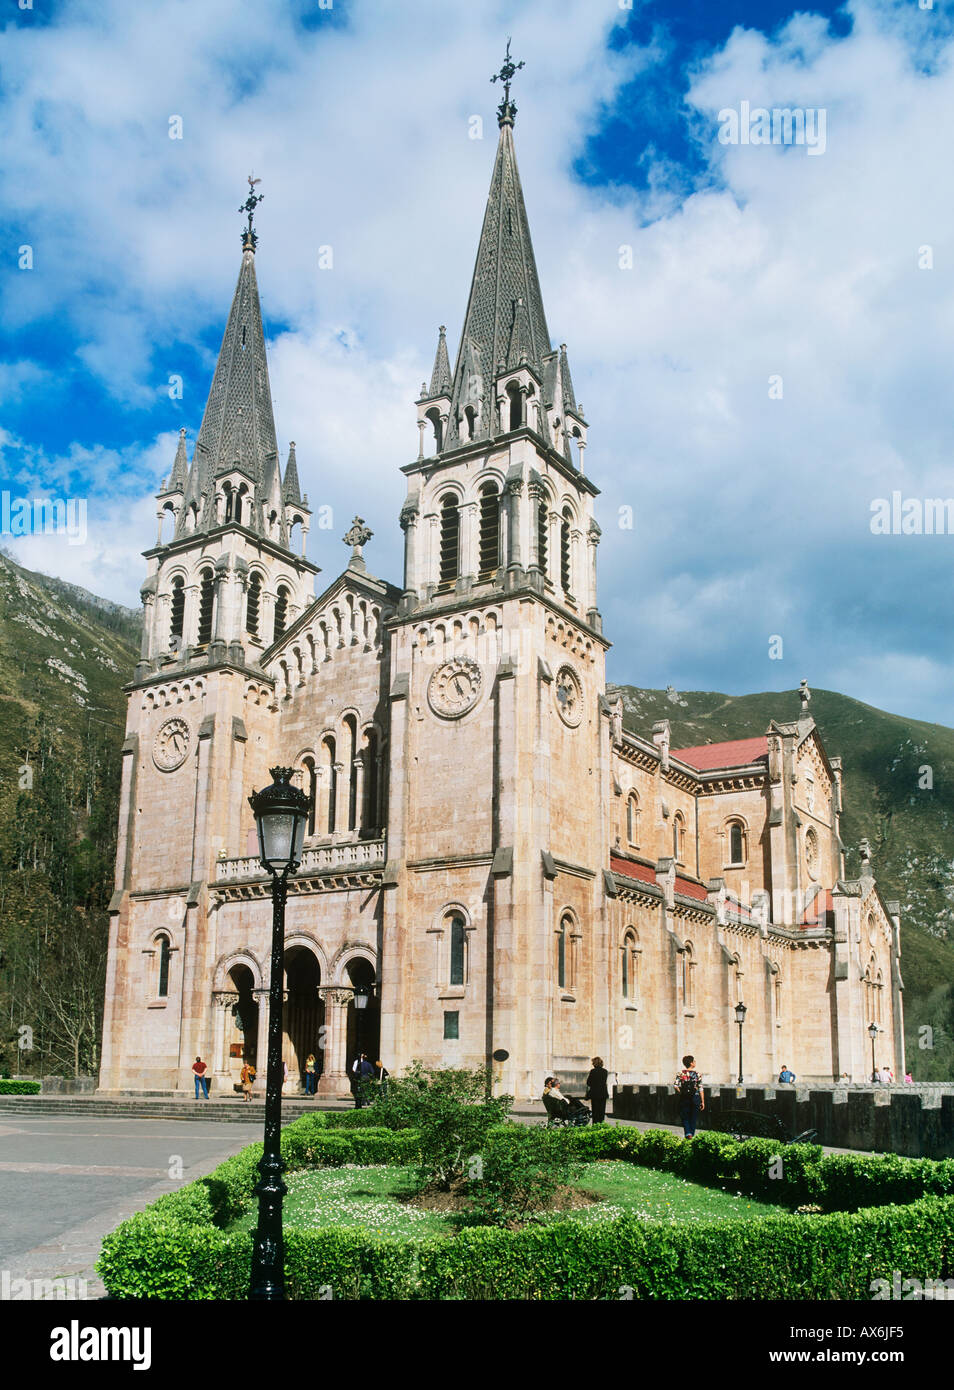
(518,1172)
(19,1088)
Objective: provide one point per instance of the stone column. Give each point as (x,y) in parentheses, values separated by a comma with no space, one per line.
(148,620)
(341,801)
(468,559)
(357,772)
(334,1075)
(515,508)
(222,1001)
(261,1044)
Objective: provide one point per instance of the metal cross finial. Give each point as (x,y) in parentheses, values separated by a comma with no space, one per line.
(507,110)
(804,694)
(249,237)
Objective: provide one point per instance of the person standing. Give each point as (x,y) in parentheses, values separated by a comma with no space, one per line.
(201,1080)
(597,1089)
(362,1072)
(381,1075)
(692,1101)
(248,1076)
(310,1067)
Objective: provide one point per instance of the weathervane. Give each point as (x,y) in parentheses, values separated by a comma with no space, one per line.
(507,110)
(249,237)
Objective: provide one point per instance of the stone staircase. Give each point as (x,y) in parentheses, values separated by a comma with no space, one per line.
(161,1105)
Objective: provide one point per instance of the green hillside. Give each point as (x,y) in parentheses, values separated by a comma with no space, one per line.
(64,656)
(898,783)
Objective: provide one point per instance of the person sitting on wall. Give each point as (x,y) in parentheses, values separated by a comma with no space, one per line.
(786,1075)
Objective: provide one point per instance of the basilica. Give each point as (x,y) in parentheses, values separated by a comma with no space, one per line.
(496,871)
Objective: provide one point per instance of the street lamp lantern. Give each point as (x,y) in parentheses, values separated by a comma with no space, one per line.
(740,1012)
(361,998)
(281,814)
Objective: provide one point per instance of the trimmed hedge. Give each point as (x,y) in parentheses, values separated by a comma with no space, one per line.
(19,1088)
(886,1213)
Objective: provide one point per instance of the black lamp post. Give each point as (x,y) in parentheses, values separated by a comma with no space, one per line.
(873,1031)
(281,814)
(740,1012)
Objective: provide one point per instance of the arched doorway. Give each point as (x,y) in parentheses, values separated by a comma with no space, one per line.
(303,1014)
(364,1025)
(242,1024)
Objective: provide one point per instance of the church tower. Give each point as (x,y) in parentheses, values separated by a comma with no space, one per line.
(496,845)
(226,579)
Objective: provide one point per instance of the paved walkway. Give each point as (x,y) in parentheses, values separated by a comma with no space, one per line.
(67,1180)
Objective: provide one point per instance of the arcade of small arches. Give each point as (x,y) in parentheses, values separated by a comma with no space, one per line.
(320,1018)
(351,622)
(234,503)
(518,406)
(343,778)
(188,610)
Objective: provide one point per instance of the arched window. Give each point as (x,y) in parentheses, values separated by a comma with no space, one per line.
(165,953)
(736,842)
(254,605)
(458,938)
(178,610)
(811,852)
(632,818)
(688,977)
(470,422)
(331,776)
(678,837)
(489,556)
(229,500)
(879,996)
(310,788)
(565,524)
(561,953)
(516,406)
(206,604)
(543,515)
(450,542)
(630,962)
(281,612)
(778,999)
(351,728)
(435,418)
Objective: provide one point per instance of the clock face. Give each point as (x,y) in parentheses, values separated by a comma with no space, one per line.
(569,696)
(171,745)
(454,687)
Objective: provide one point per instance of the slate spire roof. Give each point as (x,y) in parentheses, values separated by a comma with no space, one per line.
(238,428)
(505,314)
(237,434)
(441,375)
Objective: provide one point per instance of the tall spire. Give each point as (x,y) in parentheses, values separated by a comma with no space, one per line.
(292,488)
(505,309)
(238,428)
(441,375)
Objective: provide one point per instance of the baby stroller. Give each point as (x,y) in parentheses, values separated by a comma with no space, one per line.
(565,1114)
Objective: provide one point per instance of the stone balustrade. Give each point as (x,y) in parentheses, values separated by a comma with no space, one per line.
(355,854)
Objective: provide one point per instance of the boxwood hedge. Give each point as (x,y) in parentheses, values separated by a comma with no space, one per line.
(9,1087)
(879,1213)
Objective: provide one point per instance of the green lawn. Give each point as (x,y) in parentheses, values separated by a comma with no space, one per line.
(368,1197)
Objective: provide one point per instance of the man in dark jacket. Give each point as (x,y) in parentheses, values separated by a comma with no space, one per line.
(597,1089)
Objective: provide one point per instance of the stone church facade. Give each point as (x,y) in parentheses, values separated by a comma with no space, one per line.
(496,867)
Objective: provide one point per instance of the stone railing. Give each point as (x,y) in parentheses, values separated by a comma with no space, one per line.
(322,859)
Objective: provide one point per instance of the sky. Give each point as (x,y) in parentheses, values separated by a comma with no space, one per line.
(762,334)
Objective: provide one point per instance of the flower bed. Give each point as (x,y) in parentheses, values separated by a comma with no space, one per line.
(878,1214)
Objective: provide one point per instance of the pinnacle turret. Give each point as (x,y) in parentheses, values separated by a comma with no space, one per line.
(441,375)
(292,489)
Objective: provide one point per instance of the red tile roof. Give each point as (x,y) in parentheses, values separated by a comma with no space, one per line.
(738,752)
(629,869)
(690,890)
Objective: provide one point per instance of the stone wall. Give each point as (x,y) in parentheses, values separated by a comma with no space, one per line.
(917,1121)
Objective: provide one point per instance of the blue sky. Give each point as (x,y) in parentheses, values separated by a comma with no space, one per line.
(749,265)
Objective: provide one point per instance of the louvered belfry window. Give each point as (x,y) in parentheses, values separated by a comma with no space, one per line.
(489,557)
(450,543)
(178,608)
(542,536)
(254,604)
(565,550)
(281,612)
(206,602)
